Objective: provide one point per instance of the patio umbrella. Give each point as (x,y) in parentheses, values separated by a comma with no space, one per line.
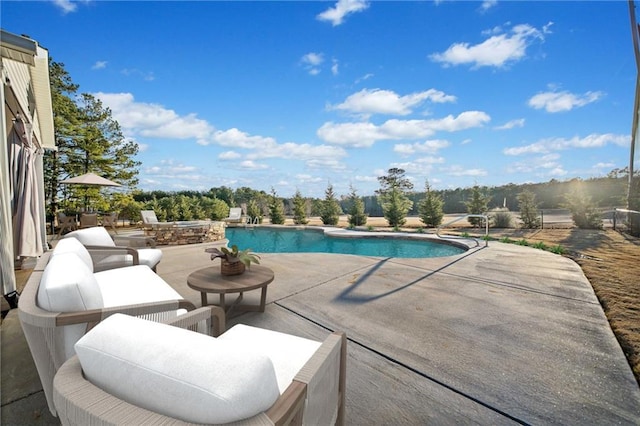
(89,179)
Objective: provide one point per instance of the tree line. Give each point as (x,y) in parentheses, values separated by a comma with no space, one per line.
(88,139)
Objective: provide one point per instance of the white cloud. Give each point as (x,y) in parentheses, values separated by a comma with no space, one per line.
(364,134)
(496,51)
(252,165)
(562,101)
(364,78)
(99,65)
(336,14)
(366,179)
(305,178)
(488,4)
(67,6)
(511,124)
(544,162)
(461,171)
(239,139)
(378,101)
(292,150)
(594,140)
(311,61)
(335,68)
(229,155)
(167,169)
(428,147)
(153,120)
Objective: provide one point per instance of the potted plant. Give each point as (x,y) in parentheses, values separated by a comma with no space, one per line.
(233,260)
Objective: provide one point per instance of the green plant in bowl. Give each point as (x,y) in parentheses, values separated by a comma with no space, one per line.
(234,255)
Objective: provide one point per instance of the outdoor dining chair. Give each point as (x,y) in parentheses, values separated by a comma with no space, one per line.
(87,220)
(65,222)
(110,220)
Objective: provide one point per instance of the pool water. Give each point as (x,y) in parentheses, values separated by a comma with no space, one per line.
(271,240)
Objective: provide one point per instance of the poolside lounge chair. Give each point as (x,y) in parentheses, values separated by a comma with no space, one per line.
(235,215)
(65,222)
(107,255)
(64,298)
(247,376)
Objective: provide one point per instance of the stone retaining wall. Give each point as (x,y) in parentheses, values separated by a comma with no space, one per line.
(179,234)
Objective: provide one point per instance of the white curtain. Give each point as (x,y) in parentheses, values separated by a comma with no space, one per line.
(26,204)
(6,246)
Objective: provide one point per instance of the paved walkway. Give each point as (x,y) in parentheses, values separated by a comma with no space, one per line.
(502,334)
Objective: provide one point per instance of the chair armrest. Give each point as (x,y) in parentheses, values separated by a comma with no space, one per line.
(208,320)
(135,241)
(104,251)
(289,407)
(94,316)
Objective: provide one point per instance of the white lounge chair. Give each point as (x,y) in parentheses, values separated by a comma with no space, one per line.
(64,298)
(107,255)
(235,215)
(128,370)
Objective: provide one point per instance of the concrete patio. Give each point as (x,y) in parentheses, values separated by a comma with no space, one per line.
(502,334)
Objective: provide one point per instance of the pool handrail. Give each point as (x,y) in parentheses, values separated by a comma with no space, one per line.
(483,216)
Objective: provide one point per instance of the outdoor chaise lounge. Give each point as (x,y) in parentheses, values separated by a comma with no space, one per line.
(235,215)
(106,255)
(131,371)
(64,298)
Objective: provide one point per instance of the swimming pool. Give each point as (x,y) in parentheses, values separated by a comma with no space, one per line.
(285,240)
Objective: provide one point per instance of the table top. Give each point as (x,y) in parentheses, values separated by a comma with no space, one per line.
(210,279)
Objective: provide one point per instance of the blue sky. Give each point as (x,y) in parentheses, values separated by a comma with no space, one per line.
(297,95)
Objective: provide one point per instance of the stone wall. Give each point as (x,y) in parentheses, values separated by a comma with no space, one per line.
(179,234)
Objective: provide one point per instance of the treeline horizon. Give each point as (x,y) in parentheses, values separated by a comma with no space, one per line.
(604,192)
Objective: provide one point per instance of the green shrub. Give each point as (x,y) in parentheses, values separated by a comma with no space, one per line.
(539,245)
(502,219)
(583,211)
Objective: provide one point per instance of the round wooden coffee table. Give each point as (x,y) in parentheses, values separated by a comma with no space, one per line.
(210,280)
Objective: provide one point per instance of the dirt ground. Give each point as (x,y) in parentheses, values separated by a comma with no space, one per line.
(609,259)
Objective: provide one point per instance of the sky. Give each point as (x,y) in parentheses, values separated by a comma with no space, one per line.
(299,95)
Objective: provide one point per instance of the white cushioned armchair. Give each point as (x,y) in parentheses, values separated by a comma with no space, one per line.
(131,371)
(64,298)
(107,255)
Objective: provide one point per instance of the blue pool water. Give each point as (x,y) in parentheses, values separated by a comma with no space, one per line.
(272,240)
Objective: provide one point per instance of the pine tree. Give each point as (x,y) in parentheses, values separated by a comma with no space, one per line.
(430,207)
(276,208)
(478,204)
(330,213)
(357,216)
(392,197)
(254,211)
(528,209)
(299,209)
(88,140)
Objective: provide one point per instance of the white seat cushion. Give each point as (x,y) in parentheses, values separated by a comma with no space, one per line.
(133,284)
(94,236)
(72,245)
(287,353)
(176,372)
